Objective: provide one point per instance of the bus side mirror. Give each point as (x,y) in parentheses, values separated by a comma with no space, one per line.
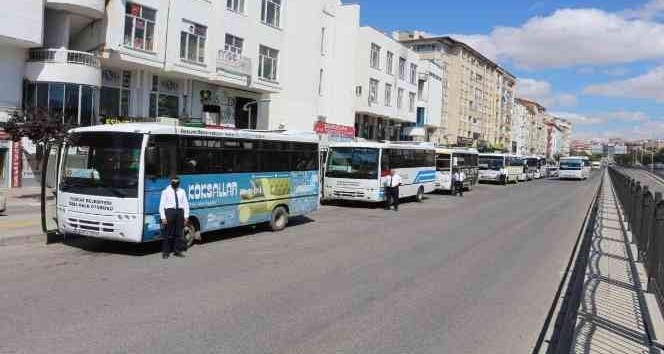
(152,161)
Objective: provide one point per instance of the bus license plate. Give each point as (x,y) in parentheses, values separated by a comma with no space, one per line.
(87,232)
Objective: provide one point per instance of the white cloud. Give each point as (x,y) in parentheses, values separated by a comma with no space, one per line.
(541,92)
(580,119)
(629,117)
(648,11)
(649,85)
(571,37)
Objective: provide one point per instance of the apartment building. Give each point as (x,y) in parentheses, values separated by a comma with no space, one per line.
(264,64)
(478,94)
(522,117)
(386,89)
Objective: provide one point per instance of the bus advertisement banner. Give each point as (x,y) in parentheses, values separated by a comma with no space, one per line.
(229,200)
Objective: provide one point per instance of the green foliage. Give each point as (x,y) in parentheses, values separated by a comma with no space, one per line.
(38,125)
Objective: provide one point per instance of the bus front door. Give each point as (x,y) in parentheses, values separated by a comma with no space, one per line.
(49,189)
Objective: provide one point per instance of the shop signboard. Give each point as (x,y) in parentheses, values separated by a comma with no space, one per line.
(334,130)
(463,141)
(16,164)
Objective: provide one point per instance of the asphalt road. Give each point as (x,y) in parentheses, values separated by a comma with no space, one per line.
(450,275)
(646,178)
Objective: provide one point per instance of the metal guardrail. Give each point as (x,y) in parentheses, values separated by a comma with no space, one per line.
(644,213)
(562,314)
(46,55)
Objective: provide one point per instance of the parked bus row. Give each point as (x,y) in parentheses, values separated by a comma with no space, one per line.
(510,168)
(106,181)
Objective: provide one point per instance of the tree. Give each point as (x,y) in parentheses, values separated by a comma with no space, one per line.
(624,160)
(38,125)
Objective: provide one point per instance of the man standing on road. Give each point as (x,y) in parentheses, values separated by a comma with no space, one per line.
(174,212)
(458,178)
(392,191)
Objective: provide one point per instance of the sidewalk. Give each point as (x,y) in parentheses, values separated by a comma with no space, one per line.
(21,222)
(612,314)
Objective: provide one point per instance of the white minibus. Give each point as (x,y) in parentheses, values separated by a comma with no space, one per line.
(574,167)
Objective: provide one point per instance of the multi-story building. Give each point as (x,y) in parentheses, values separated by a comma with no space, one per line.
(477,96)
(21,27)
(387,79)
(565,127)
(522,117)
(263,64)
(537,128)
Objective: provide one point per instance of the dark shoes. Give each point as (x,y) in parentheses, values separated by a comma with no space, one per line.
(165,255)
(179,254)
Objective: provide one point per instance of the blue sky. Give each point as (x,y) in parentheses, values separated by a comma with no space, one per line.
(598,63)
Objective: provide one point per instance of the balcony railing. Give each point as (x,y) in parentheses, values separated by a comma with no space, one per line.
(234,63)
(64,56)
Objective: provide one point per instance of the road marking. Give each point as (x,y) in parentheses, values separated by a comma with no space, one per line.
(9,225)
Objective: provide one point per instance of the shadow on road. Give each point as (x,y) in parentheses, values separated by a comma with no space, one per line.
(96,245)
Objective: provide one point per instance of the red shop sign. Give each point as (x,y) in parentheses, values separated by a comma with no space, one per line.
(16,164)
(334,129)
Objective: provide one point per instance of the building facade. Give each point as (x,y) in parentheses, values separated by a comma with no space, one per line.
(522,118)
(478,94)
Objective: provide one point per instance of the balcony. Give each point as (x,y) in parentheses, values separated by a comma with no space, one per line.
(62,65)
(88,8)
(233,63)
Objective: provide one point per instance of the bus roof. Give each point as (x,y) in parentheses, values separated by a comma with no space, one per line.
(456,150)
(575,158)
(163,129)
(383,145)
(494,154)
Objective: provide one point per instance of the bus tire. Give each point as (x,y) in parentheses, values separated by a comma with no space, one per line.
(279,219)
(419,197)
(189,235)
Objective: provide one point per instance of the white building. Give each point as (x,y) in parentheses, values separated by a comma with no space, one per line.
(386,76)
(522,118)
(263,64)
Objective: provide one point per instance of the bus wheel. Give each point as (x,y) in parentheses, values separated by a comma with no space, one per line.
(189,235)
(419,197)
(279,218)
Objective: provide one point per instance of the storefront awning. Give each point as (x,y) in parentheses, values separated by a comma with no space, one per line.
(417,132)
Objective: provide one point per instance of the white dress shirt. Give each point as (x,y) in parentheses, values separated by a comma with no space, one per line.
(395,180)
(462,177)
(167,201)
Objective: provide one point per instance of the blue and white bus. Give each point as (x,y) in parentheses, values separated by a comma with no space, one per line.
(359,170)
(110,179)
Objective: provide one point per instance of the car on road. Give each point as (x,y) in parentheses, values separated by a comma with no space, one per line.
(3,201)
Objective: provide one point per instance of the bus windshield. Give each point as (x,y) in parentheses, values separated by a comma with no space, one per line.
(443,162)
(532,162)
(102,164)
(352,162)
(570,164)
(491,163)
(515,161)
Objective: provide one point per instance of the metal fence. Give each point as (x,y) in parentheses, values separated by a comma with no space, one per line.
(644,213)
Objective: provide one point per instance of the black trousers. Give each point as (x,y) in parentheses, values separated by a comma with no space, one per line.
(392,197)
(173,240)
(458,188)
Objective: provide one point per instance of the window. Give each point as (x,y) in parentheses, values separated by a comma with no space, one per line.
(320,83)
(235,5)
(164,98)
(402,68)
(271,12)
(198,155)
(411,102)
(373,90)
(420,89)
(115,93)
(390,63)
(234,44)
(267,63)
(139,27)
(413,74)
(192,42)
(400,94)
(388,94)
(323,40)
(374,60)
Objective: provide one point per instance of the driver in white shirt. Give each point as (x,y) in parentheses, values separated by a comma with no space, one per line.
(174,212)
(392,191)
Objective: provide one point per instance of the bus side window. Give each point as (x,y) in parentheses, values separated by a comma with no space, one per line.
(161,157)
